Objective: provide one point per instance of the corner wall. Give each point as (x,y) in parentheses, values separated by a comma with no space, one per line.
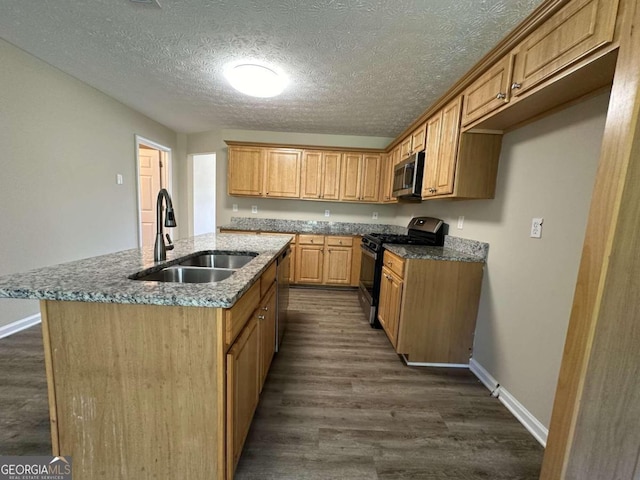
(547,169)
(213,142)
(62,143)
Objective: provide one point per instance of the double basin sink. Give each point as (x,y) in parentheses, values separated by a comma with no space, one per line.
(205,267)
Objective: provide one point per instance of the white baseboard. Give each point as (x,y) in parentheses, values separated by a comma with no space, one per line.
(20,325)
(427,364)
(524,416)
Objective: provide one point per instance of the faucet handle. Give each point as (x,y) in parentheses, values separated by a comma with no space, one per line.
(169,245)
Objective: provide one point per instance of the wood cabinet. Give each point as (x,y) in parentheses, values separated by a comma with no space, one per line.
(428,308)
(320,175)
(386,178)
(360,177)
(405,147)
(243,390)
(573,32)
(418,138)
(266,317)
(282,172)
(309,259)
(245,172)
(443,131)
(338,258)
(390,299)
(489,92)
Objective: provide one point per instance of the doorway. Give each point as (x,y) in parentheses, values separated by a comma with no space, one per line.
(154,172)
(204,193)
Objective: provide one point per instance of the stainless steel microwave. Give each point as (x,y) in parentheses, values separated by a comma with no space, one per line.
(407,177)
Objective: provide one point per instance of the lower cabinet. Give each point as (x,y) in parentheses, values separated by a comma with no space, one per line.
(309,263)
(266,316)
(428,308)
(243,390)
(390,298)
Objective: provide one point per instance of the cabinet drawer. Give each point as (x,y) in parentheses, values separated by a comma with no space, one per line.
(267,279)
(305,239)
(333,241)
(236,316)
(394,263)
(292,235)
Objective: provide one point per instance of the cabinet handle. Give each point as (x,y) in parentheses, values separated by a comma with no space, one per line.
(515,86)
(265,309)
(260,317)
(501,96)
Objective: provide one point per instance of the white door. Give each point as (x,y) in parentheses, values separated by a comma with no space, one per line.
(150,185)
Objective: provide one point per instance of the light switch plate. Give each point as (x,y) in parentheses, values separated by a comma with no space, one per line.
(254,208)
(119,179)
(374,216)
(460,222)
(234,207)
(327,213)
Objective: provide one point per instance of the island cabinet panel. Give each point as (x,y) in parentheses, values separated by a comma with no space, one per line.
(575,31)
(127,383)
(243,390)
(237,316)
(266,315)
(245,174)
(282,175)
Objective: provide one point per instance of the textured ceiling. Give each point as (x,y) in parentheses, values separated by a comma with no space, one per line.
(359,67)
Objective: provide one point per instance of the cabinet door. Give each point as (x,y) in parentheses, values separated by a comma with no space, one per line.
(432,153)
(311,181)
(337,265)
(245,171)
(574,31)
(309,259)
(350,176)
(282,176)
(449,136)
(418,138)
(489,92)
(370,182)
(386,178)
(331,175)
(243,390)
(292,265)
(389,304)
(405,148)
(267,324)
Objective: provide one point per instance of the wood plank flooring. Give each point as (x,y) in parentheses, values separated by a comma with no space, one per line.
(338,404)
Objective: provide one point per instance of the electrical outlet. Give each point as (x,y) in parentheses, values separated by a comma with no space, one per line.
(460,222)
(374,215)
(119,179)
(536,227)
(327,213)
(254,208)
(234,207)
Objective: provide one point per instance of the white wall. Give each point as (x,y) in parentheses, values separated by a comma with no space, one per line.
(547,169)
(287,209)
(204,194)
(62,144)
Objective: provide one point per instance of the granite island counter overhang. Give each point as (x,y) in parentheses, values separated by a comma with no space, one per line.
(150,379)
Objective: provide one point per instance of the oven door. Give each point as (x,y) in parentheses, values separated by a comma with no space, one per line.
(369,283)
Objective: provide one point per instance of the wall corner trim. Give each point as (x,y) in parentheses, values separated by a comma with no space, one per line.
(20,325)
(524,416)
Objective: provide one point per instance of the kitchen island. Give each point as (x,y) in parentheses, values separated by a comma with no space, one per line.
(149,379)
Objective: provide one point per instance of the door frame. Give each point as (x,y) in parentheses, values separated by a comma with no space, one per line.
(140,140)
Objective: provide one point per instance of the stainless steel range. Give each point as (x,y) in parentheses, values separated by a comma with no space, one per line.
(421,231)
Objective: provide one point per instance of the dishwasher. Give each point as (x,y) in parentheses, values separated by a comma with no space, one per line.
(282,278)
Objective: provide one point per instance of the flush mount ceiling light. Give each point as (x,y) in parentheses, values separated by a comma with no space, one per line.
(255,80)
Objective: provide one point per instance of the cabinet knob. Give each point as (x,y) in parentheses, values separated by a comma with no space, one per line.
(260,317)
(340,242)
(266,309)
(501,96)
(515,86)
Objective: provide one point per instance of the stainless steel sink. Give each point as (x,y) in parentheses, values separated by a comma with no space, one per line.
(218,260)
(188,275)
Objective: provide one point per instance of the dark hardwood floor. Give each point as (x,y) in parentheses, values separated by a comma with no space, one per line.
(338,404)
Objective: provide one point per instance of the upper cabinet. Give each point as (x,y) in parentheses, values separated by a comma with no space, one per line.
(573,32)
(489,92)
(570,35)
(258,171)
(282,172)
(245,171)
(418,138)
(360,177)
(320,175)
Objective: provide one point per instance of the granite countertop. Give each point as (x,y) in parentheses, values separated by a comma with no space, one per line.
(104,279)
(455,249)
(310,226)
